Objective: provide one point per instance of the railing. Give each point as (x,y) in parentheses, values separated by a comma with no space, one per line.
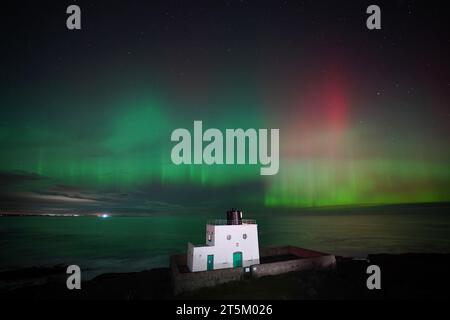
(223,222)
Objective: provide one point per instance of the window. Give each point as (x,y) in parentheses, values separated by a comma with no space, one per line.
(244,236)
(228,237)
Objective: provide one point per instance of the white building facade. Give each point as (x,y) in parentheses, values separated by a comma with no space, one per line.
(229,244)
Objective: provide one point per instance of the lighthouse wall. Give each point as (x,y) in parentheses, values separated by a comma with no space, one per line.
(225,241)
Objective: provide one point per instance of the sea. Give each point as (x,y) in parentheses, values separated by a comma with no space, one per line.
(135,243)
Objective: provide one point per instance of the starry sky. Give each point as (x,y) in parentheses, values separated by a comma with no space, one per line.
(86,115)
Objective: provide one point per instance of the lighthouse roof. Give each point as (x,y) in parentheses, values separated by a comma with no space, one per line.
(224,222)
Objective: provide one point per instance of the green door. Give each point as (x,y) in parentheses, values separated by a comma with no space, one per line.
(237,259)
(210,262)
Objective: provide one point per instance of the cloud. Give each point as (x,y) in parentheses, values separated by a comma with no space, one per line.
(33,193)
(14,178)
(57,198)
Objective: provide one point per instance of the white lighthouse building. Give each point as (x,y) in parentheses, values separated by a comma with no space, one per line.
(230,243)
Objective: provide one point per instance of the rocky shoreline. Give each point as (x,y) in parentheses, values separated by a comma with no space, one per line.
(404,276)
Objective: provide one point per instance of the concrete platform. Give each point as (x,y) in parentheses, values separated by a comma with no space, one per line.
(274,260)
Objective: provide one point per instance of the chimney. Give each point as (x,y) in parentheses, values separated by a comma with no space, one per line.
(234,217)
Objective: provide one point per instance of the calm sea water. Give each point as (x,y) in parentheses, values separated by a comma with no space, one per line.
(125,244)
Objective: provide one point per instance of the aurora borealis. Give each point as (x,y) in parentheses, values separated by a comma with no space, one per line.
(86,116)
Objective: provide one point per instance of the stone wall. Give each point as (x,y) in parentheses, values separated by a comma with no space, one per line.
(307,259)
(189,281)
(286,250)
(274,268)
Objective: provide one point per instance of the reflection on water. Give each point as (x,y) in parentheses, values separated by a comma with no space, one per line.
(138,243)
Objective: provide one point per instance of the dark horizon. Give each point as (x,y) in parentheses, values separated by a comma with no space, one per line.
(218,212)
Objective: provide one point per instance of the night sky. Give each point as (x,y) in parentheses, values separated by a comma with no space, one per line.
(86,116)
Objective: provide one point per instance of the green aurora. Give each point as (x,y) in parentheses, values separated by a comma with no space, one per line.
(85,120)
(129,146)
